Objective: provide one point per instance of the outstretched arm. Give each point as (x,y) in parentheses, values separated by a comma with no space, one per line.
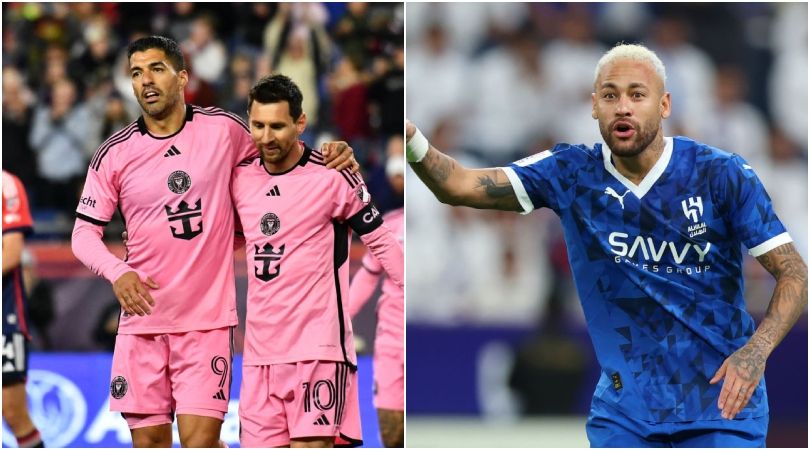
(455,184)
(744,368)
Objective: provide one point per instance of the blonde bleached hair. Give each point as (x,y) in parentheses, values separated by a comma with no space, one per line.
(635,52)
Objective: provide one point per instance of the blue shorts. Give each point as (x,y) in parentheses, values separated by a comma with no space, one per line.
(607,427)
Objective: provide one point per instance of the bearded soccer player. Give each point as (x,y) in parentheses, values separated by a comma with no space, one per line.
(299,380)
(389,339)
(168,173)
(654,227)
(17,224)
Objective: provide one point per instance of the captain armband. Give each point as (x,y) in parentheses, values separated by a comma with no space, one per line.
(366,220)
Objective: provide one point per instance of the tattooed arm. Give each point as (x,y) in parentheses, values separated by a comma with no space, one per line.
(457,185)
(744,368)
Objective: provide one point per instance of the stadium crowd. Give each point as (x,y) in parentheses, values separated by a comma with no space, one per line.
(66,84)
(67,88)
(738,77)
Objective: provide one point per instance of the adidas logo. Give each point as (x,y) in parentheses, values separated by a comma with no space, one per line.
(219,395)
(321,420)
(274,192)
(172,151)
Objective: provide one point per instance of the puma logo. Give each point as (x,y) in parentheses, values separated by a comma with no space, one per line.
(609,191)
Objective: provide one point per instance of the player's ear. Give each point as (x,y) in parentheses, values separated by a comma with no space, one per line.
(301,123)
(593,105)
(666,105)
(183,76)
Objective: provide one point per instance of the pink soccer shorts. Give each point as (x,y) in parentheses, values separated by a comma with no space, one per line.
(185,373)
(389,379)
(280,402)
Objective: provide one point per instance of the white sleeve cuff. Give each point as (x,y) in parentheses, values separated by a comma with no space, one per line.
(770,244)
(520,191)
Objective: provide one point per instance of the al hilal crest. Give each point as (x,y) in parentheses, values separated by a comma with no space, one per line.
(118,387)
(179,182)
(269,224)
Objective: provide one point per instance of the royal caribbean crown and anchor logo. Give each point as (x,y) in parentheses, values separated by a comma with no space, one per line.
(267,255)
(186,214)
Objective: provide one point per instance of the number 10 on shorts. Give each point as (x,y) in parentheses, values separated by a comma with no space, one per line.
(321,395)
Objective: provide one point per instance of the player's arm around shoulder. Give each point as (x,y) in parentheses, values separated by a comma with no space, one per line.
(455,184)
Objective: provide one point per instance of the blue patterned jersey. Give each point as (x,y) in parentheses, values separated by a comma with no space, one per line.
(658,267)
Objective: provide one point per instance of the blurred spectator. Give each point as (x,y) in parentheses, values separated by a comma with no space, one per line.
(40,301)
(382,179)
(353,30)
(492,131)
(467,25)
(787,87)
(181,20)
(297,45)
(441,92)
(569,62)
(62,135)
(198,91)
(387,93)
(239,82)
(94,67)
(350,108)
(56,69)
(115,116)
(690,73)
(17,110)
(731,123)
(786,178)
(252,17)
(204,50)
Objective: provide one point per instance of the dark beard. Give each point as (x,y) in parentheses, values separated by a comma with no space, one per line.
(159,114)
(643,138)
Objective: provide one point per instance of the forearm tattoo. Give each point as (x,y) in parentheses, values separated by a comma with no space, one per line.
(438,166)
(749,361)
(494,189)
(789,298)
(456,185)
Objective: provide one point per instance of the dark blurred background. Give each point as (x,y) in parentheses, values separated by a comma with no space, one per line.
(66,89)
(490,297)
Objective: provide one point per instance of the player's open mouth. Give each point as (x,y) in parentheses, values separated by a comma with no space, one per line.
(151,96)
(623,130)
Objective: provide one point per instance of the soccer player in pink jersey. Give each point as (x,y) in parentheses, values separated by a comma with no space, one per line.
(299,380)
(168,173)
(389,349)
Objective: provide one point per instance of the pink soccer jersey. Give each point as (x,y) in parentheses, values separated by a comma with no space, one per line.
(391,304)
(297,231)
(173,194)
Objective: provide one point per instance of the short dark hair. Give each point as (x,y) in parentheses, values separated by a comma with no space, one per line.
(169,47)
(277,88)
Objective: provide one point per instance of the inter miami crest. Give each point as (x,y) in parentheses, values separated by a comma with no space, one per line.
(179,182)
(118,387)
(363,194)
(270,224)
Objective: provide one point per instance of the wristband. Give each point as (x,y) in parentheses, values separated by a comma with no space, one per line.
(417,147)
